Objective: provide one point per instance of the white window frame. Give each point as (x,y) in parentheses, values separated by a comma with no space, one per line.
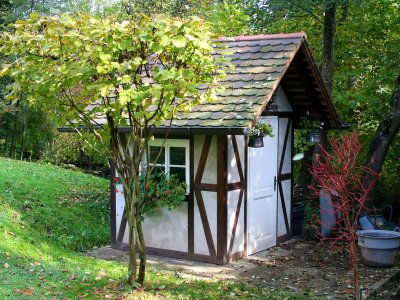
(168,144)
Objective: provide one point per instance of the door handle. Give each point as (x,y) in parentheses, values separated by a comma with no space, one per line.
(275,181)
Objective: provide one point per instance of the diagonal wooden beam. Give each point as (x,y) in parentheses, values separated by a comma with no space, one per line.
(284,211)
(122,227)
(284,147)
(237,157)
(237,214)
(203,159)
(206,225)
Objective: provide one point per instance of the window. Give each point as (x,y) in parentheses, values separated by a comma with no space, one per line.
(172,157)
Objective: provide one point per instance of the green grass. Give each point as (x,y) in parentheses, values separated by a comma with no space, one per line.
(57,203)
(37,202)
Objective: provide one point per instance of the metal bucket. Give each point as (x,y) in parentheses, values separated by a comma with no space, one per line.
(378,247)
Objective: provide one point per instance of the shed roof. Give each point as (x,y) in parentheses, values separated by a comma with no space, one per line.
(262,63)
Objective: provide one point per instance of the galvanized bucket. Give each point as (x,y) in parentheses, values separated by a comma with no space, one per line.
(378,247)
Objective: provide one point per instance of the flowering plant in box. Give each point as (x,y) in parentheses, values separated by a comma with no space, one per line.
(162,191)
(261,130)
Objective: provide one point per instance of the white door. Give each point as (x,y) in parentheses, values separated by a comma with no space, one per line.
(262,195)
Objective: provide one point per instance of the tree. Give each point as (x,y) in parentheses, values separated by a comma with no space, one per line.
(366,60)
(384,136)
(103,75)
(227,18)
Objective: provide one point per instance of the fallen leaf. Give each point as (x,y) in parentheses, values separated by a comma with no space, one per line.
(6,265)
(27,291)
(72,277)
(101,275)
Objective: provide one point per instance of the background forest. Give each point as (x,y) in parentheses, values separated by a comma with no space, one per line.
(366,39)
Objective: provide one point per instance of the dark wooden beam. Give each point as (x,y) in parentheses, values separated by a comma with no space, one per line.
(122,227)
(235,223)
(222,198)
(199,197)
(206,224)
(237,157)
(191,198)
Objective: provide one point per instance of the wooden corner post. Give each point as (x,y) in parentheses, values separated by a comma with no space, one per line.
(222,199)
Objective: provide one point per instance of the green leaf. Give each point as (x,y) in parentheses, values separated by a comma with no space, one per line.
(105,57)
(179,41)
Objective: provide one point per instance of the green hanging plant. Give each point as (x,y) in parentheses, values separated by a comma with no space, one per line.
(261,130)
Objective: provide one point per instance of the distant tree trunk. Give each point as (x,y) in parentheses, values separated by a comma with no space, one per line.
(14,137)
(23,138)
(384,137)
(328,44)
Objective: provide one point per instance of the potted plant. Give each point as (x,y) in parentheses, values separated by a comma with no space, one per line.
(257,134)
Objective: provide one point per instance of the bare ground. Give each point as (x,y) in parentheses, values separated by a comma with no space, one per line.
(308,268)
(312,269)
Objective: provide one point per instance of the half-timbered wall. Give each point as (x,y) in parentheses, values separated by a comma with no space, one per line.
(284,168)
(284,178)
(163,230)
(236,196)
(205,195)
(198,229)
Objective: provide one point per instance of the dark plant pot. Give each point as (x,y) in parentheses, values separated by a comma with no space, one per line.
(256,142)
(297,217)
(309,233)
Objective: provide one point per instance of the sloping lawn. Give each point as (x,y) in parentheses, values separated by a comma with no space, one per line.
(48,215)
(67,208)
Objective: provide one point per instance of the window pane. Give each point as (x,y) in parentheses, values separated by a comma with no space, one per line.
(180,173)
(158,170)
(154,152)
(177,156)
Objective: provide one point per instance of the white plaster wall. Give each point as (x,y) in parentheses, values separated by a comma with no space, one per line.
(286,186)
(233,196)
(164,229)
(167,229)
(210,204)
(233,174)
(238,244)
(120,205)
(210,171)
(282,100)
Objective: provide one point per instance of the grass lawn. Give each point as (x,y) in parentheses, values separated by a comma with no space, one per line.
(48,215)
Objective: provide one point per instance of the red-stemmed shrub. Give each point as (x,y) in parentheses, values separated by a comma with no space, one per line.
(339,173)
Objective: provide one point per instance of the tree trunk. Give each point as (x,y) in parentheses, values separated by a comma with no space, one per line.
(14,137)
(132,264)
(142,251)
(23,137)
(328,44)
(384,137)
(353,255)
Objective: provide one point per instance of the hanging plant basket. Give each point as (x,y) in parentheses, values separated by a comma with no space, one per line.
(256,142)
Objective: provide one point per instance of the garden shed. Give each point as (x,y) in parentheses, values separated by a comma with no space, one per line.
(239,198)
